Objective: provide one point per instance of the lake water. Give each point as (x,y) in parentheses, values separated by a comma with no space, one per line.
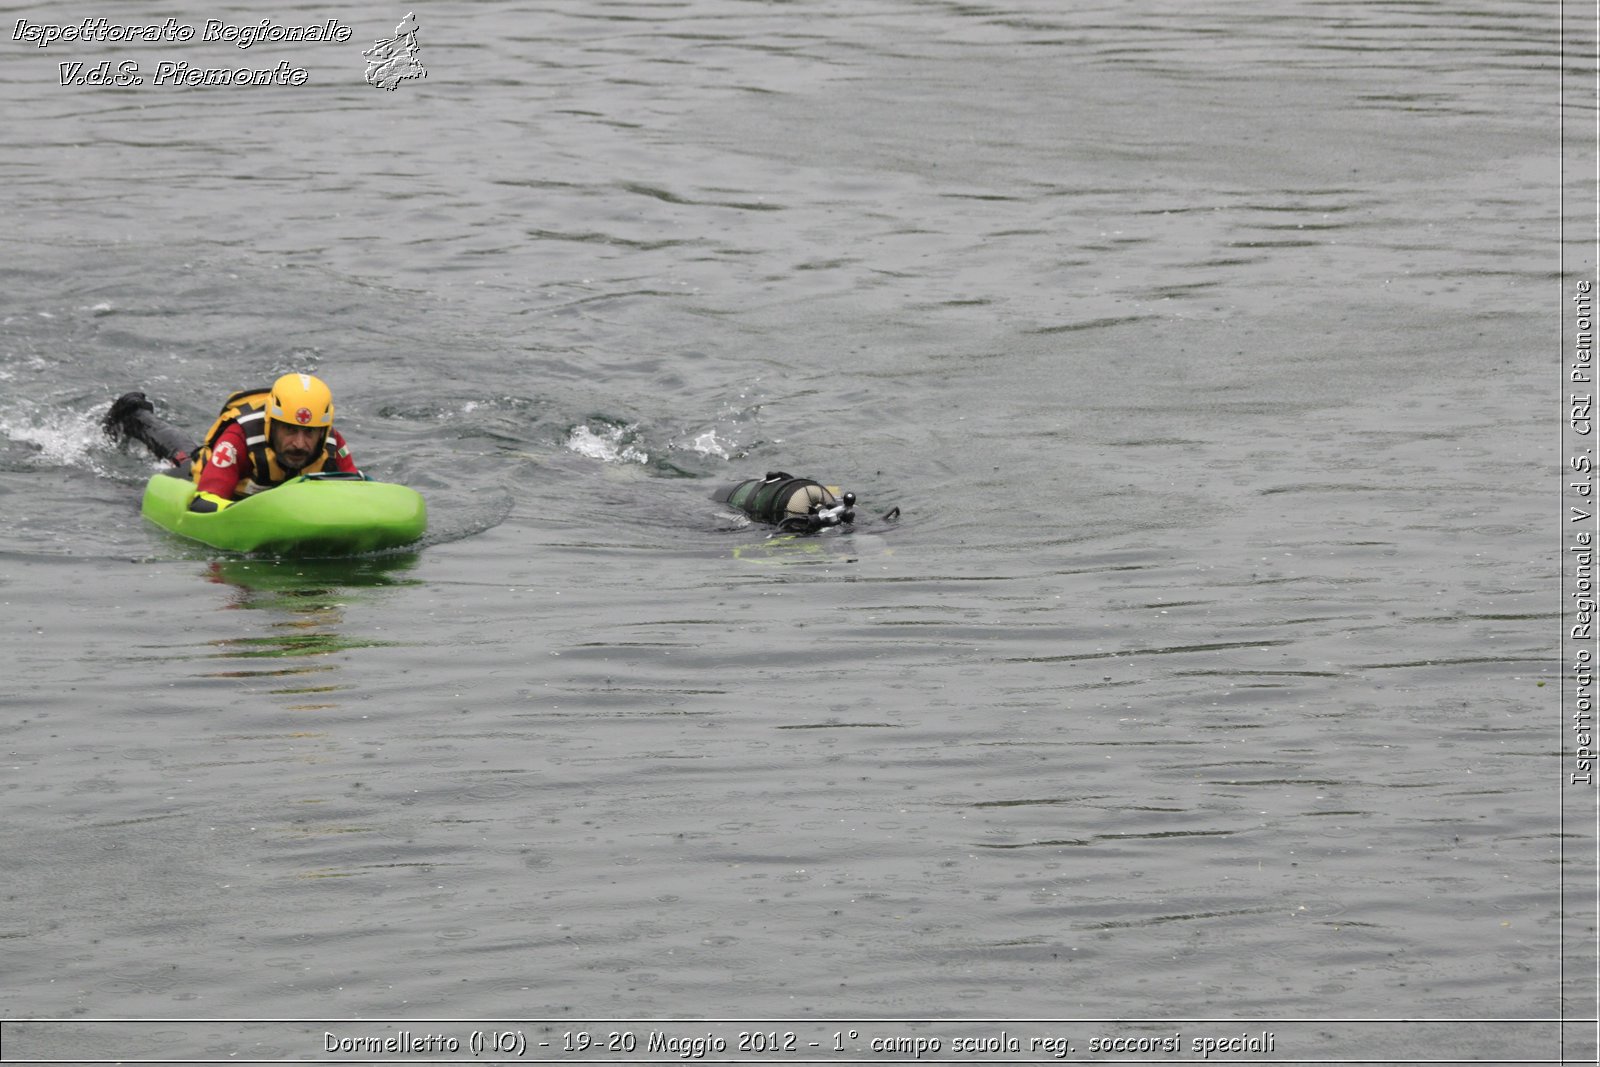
(1208,682)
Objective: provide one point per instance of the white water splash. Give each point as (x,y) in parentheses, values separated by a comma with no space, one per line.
(708,444)
(609,445)
(62,438)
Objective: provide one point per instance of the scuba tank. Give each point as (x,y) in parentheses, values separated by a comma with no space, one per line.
(797,505)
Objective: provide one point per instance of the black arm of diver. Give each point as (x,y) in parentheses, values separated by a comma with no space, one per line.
(132,415)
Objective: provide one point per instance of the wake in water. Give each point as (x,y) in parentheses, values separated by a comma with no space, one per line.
(730,435)
(610,444)
(619,443)
(39,437)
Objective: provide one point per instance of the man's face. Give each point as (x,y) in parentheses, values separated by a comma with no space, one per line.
(295,445)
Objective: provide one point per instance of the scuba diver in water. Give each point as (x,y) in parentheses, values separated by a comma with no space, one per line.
(793,505)
(262,438)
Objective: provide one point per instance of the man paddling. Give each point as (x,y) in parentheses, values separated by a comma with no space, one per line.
(261,439)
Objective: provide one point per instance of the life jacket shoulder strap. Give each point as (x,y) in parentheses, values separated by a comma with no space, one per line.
(245,404)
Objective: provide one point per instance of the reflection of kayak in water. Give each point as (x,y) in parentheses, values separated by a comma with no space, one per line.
(319,583)
(313,515)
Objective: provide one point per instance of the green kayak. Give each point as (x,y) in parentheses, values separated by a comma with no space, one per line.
(313,515)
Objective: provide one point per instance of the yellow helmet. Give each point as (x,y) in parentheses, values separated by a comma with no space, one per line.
(301,400)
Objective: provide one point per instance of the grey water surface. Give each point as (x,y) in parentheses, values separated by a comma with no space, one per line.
(1205,350)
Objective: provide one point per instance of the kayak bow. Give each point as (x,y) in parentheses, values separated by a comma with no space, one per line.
(312,515)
